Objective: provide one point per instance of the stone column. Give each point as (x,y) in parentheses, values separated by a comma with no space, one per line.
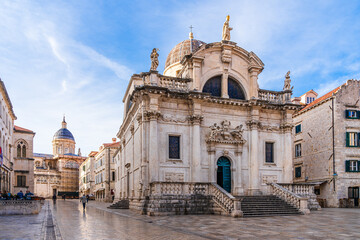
(224,85)
(288,153)
(211,152)
(254,153)
(197,73)
(254,86)
(196,148)
(152,116)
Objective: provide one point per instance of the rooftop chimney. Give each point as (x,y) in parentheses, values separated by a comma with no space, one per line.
(114,140)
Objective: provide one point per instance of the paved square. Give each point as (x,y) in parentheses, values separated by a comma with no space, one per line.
(98,222)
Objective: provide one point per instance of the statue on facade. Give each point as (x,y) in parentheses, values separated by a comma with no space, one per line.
(287,82)
(223,132)
(226,30)
(237,133)
(154,56)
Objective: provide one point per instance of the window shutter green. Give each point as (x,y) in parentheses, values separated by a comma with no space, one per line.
(358,166)
(347,113)
(347,166)
(347,139)
(357,114)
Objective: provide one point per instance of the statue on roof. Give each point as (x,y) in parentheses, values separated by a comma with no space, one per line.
(226,30)
(154,56)
(287,82)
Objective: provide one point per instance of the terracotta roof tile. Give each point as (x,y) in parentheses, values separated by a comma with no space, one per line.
(320,99)
(116,144)
(20,129)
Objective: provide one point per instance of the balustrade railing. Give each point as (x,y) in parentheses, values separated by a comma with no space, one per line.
(174,83)
(274,96)
(299,189)
(291,198)
(223,199)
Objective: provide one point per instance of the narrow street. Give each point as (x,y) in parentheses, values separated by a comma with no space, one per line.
(67,220)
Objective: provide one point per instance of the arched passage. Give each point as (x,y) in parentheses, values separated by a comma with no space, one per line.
(224,173)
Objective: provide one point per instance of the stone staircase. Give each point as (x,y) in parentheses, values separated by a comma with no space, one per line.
(122,204)
(267,205)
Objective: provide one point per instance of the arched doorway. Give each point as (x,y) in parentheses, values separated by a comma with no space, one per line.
(224,173)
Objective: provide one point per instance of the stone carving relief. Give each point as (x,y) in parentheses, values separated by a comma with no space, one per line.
(269,179)
(174,177)
(269,128)
(224,134)
(170,118)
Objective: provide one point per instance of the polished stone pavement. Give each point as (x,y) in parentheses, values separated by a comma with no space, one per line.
(98,222)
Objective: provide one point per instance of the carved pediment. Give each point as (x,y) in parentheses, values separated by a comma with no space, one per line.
(223,133)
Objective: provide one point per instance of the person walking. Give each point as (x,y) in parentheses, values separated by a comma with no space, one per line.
(83,200)
(64,196)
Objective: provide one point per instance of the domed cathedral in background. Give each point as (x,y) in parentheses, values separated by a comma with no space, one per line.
(58,173)
(204,122)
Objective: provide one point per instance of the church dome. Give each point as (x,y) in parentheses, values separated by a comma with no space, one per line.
(63,133)
(181,49)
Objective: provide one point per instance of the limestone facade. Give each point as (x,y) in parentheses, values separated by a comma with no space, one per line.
(324,159)
(23,160)
(181,128)
(58,173)
(104,171)
(8,117)
(87,175)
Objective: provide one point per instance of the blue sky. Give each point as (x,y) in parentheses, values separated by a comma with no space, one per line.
(76,57)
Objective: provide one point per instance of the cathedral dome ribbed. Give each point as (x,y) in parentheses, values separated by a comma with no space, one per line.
(63,133)
(182,49)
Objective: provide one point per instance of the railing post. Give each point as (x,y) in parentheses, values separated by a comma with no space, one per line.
(304,206)
(236,212)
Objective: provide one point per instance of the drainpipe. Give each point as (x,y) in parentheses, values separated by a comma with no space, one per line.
(333,141)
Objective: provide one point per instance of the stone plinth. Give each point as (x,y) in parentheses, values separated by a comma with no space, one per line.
(19,207)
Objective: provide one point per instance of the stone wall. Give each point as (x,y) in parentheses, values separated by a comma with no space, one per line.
(19,207)
(176,205)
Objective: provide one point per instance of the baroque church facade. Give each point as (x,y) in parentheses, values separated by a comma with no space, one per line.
(58,173)
(203,122)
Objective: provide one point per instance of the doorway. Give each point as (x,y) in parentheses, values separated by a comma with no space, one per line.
(354,194)
(54,192)
(224,173)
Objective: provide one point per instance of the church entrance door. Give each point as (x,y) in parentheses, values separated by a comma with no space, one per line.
(224,173)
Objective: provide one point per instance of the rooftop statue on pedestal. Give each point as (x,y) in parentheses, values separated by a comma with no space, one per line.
(154,60)
(287,82)
(226,30)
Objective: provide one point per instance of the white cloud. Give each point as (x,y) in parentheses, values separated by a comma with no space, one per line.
(48,72)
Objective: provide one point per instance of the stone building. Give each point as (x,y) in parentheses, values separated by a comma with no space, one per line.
(327,147)
(204,125)
(23,159)
(87,175)
(58,174)
(104,168)
(8,117)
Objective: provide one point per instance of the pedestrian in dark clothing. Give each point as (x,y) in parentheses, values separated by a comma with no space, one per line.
(83,200)
(87,198)
(20,194)
(54,198)
(64,196)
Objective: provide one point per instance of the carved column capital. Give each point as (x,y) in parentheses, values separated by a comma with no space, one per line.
(286,127)
(195,119)
(253,124)
(151,115)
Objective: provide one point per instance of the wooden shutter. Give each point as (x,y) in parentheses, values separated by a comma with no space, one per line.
(347,139)
(357,114)
(346,113)
(347,166)
(358,166)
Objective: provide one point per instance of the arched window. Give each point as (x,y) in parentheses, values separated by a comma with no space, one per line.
(234,90)
(18,151)
(213,86)
(21,149)
(24,151)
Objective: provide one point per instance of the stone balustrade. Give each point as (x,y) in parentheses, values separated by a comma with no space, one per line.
(20,207)
(228,203)
(280,97)
(291,198)
(299,189)
(172,83)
